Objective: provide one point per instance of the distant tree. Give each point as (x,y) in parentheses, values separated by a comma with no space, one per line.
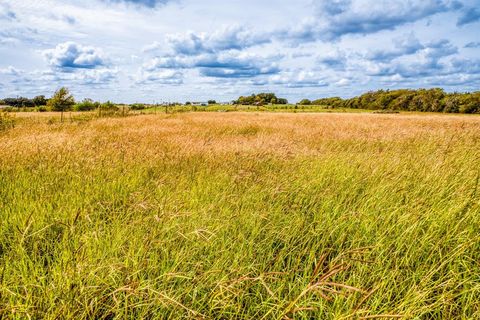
(305,102)
(188,103)
(61,101)
(40,101)
(260,99)
(109,106)
(86,105)
(20,102)
(212,102)
(137,106)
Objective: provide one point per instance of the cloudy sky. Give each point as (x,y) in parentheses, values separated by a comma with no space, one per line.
(178,50)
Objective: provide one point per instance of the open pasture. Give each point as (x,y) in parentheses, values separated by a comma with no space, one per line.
(241,216)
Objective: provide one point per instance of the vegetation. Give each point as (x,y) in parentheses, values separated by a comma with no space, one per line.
(137,106)
(62,100)
(432,100)
(6,121)
(305,102)
(22,102)
(86,105)
(260,99)
(422,100)
(241,216)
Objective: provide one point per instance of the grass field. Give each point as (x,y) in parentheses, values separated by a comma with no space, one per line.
(241,216)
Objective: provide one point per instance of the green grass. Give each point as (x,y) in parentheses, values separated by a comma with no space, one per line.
(245,108)
(99,220)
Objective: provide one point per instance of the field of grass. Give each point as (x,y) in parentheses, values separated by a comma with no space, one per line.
(241,216)
(246,108)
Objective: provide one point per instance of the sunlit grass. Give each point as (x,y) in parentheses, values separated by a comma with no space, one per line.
(241,215)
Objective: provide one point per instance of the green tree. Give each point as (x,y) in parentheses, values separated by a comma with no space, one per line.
(305,102)
(61,101)
(40,101)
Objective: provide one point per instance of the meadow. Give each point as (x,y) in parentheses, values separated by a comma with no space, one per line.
(229,215)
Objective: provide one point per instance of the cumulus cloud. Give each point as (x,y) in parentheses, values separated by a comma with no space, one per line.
(335,19)
(298,79)
(468,15)
(237,65)
(82,76)
(146,3)
(434,59)
(10,71)
(70,55)
(6,13)
(229,64)
(405,45)
(473,44)
(439,48)
(241,55)
(227,38)
(336,60)
(170,77)
(220,54)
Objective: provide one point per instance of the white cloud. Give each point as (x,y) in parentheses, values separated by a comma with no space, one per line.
(70,55)
(236,46)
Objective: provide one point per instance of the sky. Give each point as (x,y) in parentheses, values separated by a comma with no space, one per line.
(194,50)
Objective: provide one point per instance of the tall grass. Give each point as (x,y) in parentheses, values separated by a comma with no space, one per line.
(241,216)
(6,121)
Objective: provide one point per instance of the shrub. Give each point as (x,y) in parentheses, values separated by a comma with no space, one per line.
(109,106)
(86,105)
(137,106)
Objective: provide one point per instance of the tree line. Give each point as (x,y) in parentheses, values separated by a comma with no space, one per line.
(62,100)
(424,100)
(260,99)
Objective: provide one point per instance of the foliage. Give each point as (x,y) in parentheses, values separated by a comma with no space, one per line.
(305,102)
(22,102)
(212,102)
(62,100)
(40,101)
(137,106)
(19,102)
(109,106)
(260,99)
(424,100)
(86,105)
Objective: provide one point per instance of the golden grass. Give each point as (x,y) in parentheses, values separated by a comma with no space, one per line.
(241,216)
(210,133)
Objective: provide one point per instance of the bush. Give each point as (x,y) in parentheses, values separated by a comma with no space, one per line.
(137,106)
(109,109)
(86,105)
(109,106)
(305,102)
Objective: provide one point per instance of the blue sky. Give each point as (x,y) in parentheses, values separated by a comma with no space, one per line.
(179,50)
